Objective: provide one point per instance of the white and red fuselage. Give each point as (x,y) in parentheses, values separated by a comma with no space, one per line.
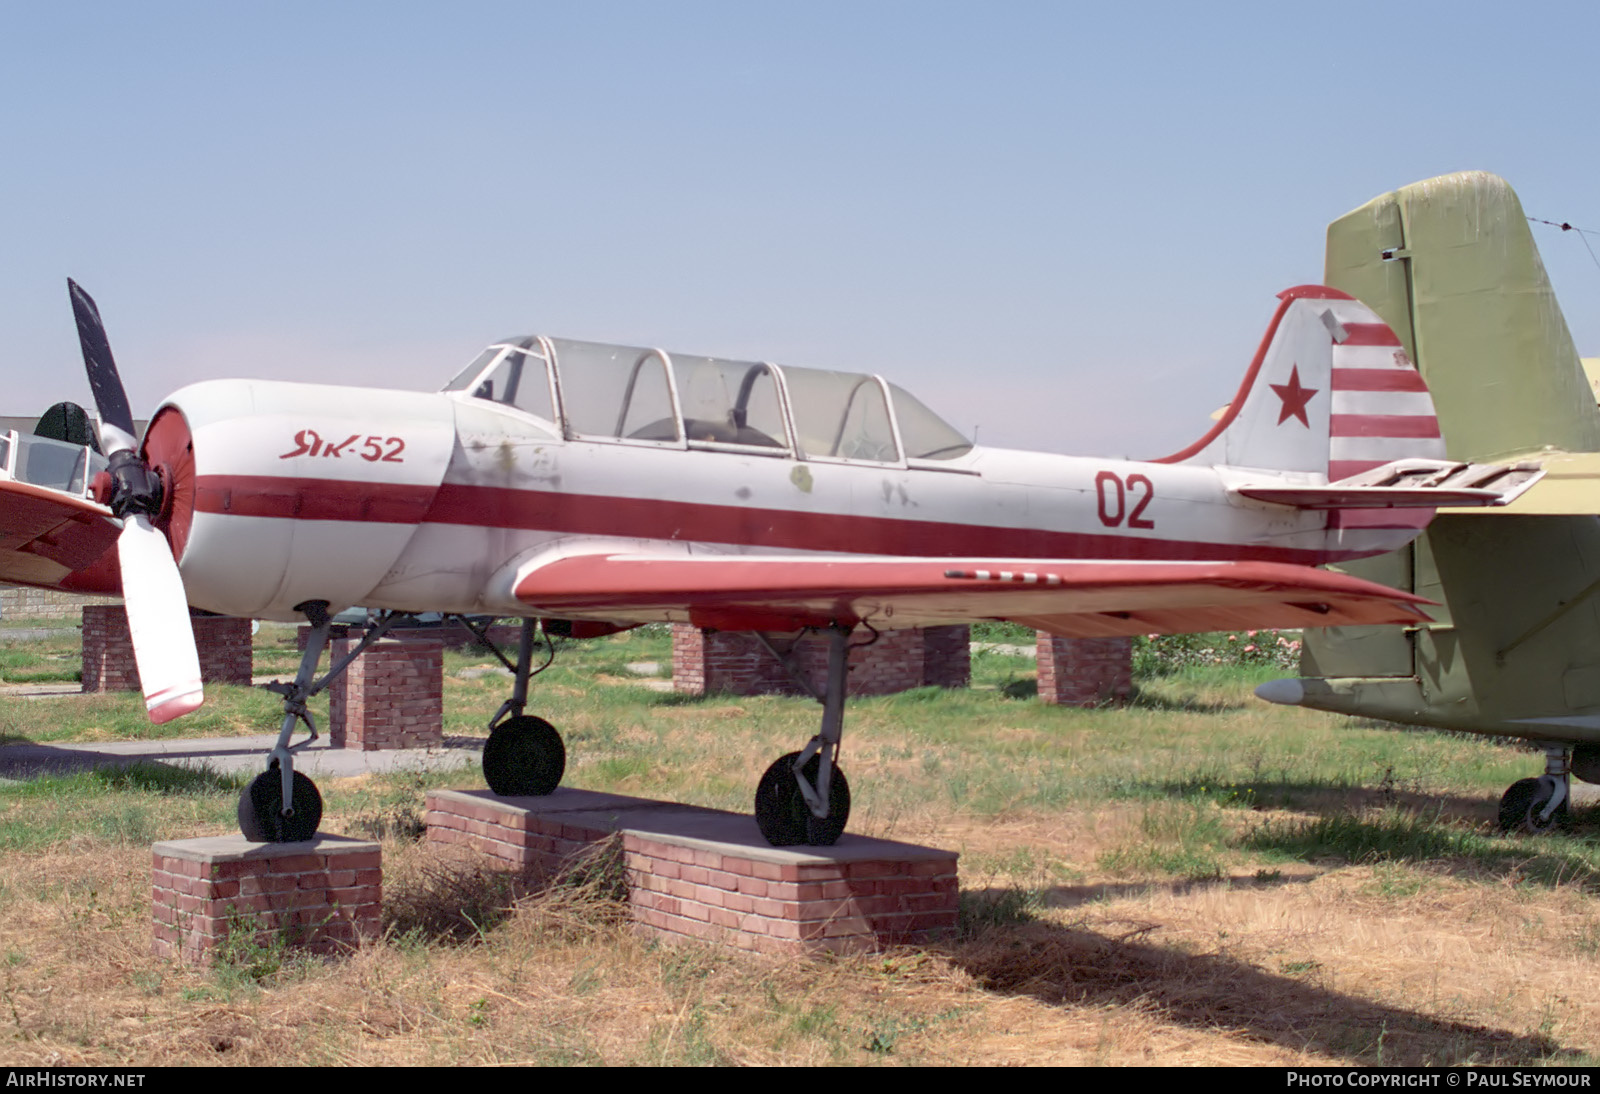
(457,501)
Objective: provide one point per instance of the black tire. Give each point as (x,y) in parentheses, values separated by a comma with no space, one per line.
(524,756)
(782,814)
(261,818)
(1522,803)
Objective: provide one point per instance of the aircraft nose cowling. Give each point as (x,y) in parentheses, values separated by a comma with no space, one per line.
(280,493)
(169,450)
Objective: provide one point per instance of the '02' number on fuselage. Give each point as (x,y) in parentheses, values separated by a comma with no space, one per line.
(1115,495)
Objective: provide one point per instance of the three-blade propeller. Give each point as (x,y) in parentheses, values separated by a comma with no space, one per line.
(152,590)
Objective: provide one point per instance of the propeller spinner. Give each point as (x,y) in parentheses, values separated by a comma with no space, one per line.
(152,589)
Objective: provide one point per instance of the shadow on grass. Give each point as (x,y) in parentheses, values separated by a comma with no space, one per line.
(1143,698)
(1079,967)
(1408,837)
(1327,796)
(147,776)
(686,699)
(995,906)
(1071,896)
(159,778)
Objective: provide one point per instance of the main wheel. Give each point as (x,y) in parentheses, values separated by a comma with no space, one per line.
(1522,804)
(781,811)
(524,756)
(261,816)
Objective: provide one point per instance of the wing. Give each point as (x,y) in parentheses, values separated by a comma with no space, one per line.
(1076,598)
(56,539)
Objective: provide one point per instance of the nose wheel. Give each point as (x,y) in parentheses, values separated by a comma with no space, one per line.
(524,755)
(262,818)
(781,810)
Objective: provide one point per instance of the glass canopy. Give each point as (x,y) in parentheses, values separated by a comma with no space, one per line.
(627,394)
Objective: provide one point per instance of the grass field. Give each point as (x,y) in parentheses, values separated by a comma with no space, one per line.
(1197,878)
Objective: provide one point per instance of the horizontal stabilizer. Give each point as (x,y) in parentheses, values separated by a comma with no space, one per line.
(1569,487)
(1407,484)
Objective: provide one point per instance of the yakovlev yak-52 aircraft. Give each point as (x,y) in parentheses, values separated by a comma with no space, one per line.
(1514,648)
(596,487)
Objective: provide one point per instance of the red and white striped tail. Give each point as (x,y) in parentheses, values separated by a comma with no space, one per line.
(1381,412)
(1330,393)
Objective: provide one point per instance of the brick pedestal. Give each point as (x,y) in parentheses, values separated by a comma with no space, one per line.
(222,642)
(324,895)
(392,696)
(1085,672)
(735,663)
(708,874)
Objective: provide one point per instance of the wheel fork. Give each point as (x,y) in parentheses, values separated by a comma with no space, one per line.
(306,685)
(1558,777)
(825,745)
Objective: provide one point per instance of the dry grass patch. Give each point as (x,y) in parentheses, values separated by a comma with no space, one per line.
(1190,881)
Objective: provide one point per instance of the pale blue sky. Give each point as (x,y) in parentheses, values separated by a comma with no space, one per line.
(1064,222)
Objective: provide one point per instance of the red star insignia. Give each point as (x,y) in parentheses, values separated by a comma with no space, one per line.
(1294,398)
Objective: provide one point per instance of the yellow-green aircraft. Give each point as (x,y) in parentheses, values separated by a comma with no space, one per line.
(1451,265)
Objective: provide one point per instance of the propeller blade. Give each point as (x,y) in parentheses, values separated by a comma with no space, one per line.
(158,622)
(152,588)
(116,420)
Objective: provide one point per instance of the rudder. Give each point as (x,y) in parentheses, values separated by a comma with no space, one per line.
(1329,393)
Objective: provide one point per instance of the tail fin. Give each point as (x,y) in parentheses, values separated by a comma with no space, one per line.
(1331,392)
(1515,647)
(1451,265)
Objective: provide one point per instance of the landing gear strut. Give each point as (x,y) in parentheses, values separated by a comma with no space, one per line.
(524,755)
(1539,805)
(803,797)
(281,805)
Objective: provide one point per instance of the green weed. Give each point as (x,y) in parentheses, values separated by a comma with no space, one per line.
(986,910)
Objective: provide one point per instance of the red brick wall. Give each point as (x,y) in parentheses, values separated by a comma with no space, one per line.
(325,895)
(108,665)
(1085,672)
(736,663)
(699,873)
(392,696)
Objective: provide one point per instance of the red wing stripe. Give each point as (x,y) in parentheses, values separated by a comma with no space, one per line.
(1369,334)
(1384,425)
(1377,379)
(610,580)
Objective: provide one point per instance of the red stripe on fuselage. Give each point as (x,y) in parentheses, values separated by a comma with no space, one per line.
(684,521)
(312,499)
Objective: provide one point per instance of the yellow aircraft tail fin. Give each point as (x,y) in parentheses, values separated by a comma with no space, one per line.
(1451,266)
